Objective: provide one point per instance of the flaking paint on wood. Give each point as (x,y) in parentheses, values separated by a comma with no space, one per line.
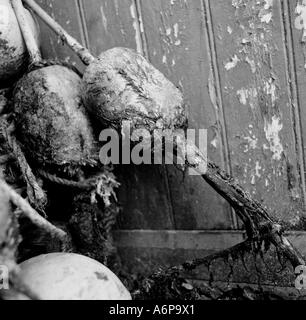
(109,24)
(243,80)
(253,69)
(296,20)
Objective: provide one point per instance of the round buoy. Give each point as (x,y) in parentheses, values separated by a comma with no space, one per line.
(122,85)
(51,121)
(13,52)
(68,276)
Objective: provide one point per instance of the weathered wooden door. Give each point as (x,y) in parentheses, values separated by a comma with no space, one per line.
(241,65)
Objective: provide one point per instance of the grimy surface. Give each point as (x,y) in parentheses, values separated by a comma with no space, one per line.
(241,66)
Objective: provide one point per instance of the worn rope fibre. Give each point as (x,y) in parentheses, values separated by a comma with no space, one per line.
(48,63)
(36,195)
(82,185)
(87,184)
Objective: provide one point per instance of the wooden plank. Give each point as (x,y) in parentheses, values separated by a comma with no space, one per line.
(178,239)
(66,13)
(176,43)
(253,68)
(143,251)
(298,239)
(210,240)
(143,197)
(295,27)
(111,24)
(144,193)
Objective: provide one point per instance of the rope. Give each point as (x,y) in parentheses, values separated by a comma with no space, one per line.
(6,158)
(32,214)
(83,185)
(36,195)
(48,63)
(109,220)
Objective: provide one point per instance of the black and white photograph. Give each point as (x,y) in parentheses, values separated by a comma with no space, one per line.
(153,150)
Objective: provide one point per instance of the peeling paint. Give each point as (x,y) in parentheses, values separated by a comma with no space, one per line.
(232,63)
(270,89)
(256,172)
(258,167)
(266,17)
(141,24)
(215,142)
(104,19)
(212,90)
(300,20)
(248,96)
(176,30)
(252,141)
(266,14)
(272,129)
(117,7)
(268,4)
(136,27)
(236,3)
(253,179)
(245,41)
(251,63)
(168,31)
(252,71)
(243,96)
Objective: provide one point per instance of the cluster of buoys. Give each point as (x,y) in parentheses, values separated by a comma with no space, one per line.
(50,106)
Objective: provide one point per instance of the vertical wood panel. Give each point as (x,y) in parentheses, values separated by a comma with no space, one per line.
(66,13)
(177,45)
(216,96)
(253,67)
(296,26)
(110,24)
(144,193)
(144,197)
